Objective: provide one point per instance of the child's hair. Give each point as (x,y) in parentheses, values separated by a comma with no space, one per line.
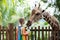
(21,20)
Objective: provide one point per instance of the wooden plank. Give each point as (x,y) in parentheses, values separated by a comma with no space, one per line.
(34,30)
(42,33)
(0,32)
(11,32)
(46,32)
(5,29)
(3,32)
(49,33)
(35,33)
(15,33)
(54,35)
(7,34)
(38,33)
(32,38)
(41,30)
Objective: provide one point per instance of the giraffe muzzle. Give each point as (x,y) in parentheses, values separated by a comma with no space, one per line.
(29,23)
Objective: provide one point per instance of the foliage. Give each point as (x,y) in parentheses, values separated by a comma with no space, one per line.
(57,16)
(9,12)
(45,23)
(7,9)
(44,1)
(12,10)
(58,4)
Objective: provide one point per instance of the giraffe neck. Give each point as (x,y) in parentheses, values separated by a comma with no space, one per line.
(51,20)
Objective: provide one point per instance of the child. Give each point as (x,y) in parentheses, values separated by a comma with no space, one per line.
(18,30)
(22,33)
(21,22)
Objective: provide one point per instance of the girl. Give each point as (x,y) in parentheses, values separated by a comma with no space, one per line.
(22,33)
(18,30)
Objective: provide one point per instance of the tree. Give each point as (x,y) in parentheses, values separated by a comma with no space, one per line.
(55,4)
(6,11)
(57,16)
(10,13)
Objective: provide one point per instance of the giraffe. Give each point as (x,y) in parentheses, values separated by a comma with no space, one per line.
(38,13)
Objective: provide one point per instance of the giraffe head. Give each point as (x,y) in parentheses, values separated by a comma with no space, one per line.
(36,14)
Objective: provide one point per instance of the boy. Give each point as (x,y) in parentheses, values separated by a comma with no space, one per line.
(21,22)
(22,33)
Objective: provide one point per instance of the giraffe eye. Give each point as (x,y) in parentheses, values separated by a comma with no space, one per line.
(38,14)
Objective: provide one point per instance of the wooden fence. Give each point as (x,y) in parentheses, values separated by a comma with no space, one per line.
(36,33)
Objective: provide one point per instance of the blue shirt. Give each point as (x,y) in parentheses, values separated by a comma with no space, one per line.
(19,33)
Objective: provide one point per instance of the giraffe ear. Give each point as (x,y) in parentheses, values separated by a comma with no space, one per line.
(39,6)
(35,5)
(43,11)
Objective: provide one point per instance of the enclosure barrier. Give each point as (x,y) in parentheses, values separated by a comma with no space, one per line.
(9,33)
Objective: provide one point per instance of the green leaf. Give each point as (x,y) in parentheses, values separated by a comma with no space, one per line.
(49,5)
(58,4)
(44,1)
(46,23)
(21,1)
(57,16)
(0,18)
(5,3)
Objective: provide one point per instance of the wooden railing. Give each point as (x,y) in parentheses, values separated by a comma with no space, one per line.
(36,33)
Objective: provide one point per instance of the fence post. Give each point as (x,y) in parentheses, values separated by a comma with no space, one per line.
(46,32)
(0,32)
(54,35)
(35,33)
(32,38)
(42,33)
(11,31)
(49,33)
(15,33)
(3,32)
(38,32)
(7,34)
